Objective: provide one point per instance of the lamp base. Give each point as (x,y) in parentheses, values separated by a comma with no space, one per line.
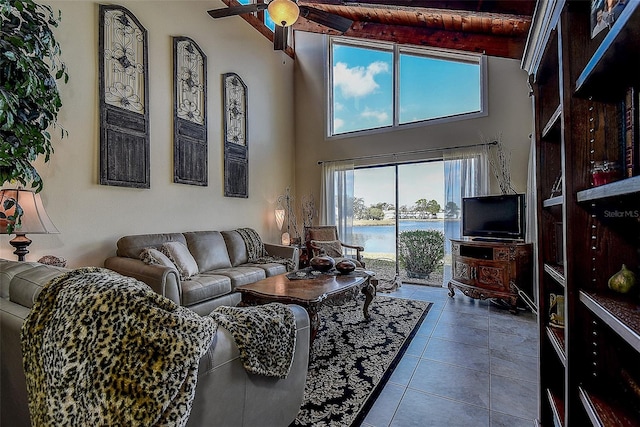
(20,242)
(286,239)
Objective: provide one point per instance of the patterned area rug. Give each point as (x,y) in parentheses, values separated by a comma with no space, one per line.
(352,358)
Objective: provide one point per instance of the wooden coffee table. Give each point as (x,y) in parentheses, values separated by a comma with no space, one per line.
(312,293)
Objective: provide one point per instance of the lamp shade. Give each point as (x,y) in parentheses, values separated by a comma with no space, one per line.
(283,12)
(279,218)
(34,219)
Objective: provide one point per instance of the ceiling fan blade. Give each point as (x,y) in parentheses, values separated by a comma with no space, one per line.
(280,38)
(327,19)
(237,10)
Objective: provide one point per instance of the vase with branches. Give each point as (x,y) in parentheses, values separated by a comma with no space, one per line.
(308,206)
(500,163)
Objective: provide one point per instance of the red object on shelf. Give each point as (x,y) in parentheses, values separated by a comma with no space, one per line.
(605,172)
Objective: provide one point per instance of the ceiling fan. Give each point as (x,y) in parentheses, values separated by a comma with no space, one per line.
(285,13)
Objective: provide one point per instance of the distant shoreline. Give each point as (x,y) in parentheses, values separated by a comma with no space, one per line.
(374,222)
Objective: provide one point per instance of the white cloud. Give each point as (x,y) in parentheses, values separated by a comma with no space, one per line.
(357,81)
(338,124)
(337,106)
(380,116)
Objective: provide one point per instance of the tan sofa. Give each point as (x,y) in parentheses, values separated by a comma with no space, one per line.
(226,395)
(222,259)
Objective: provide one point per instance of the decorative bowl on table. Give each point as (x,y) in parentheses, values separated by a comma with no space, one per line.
(345,266)
(322,263)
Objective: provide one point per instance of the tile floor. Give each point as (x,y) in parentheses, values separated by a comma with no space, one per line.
(470,364)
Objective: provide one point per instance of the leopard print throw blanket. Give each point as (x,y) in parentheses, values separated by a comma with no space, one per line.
(104,349)
(257,253)
(265,335)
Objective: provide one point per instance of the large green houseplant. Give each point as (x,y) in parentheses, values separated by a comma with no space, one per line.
(30,66)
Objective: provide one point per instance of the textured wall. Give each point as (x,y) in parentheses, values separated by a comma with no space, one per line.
(92,217)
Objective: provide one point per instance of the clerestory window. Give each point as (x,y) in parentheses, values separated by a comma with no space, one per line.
(268,22)
(376,86)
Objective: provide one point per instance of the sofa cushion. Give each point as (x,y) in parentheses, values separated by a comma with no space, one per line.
(154,256)
(208,249)
(236,248)
(179,254)
(270,268)
(204,287)
(8,269)
(131,246)
(26,285)
(240,275)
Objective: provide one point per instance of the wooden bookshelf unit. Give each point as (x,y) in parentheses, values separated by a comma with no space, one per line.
(491,269)
(585,89)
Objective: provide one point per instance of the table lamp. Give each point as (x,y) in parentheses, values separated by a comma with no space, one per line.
(34,219)
(285,209)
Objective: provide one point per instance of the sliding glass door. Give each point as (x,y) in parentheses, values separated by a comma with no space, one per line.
(374,212)
(393,205)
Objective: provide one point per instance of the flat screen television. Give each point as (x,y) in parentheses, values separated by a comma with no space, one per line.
(494,217)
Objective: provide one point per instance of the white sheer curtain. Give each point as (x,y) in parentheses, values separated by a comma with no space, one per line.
(337,197)
(466,174)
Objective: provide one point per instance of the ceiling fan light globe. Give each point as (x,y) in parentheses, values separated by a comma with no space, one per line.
(283,12)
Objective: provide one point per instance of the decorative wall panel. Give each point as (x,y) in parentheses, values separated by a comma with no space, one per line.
(124,101)
(190,115)
(236,153)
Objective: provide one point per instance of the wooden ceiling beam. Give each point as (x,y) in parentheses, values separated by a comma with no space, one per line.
(480,22)
(509,7)
(506,47)
(494,27)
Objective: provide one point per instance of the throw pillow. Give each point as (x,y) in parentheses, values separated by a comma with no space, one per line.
(332,248)
(182,258)
(154,256)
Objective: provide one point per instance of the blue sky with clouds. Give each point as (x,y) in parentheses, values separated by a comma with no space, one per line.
(429,87)
(363,88)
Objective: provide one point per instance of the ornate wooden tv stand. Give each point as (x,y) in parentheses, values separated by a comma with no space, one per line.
(491,269)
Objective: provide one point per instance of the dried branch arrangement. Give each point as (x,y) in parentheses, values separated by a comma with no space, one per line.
(308,209)
(500,162)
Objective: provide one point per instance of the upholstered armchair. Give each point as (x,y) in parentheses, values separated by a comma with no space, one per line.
(325,237)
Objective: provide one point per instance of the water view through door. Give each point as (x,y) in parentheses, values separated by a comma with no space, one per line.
(402,197)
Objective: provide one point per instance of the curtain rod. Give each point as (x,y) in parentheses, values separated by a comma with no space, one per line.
(405,153)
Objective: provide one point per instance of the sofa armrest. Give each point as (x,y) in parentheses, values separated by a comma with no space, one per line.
(163,280)
(243,399)
(283,251)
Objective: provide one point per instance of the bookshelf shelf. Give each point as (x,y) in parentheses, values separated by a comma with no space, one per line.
(554,201)
(551,130)
(618,312)
(557,407)
(556,272)
(625,187)
(616,56)
(556,336)
(603,413)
